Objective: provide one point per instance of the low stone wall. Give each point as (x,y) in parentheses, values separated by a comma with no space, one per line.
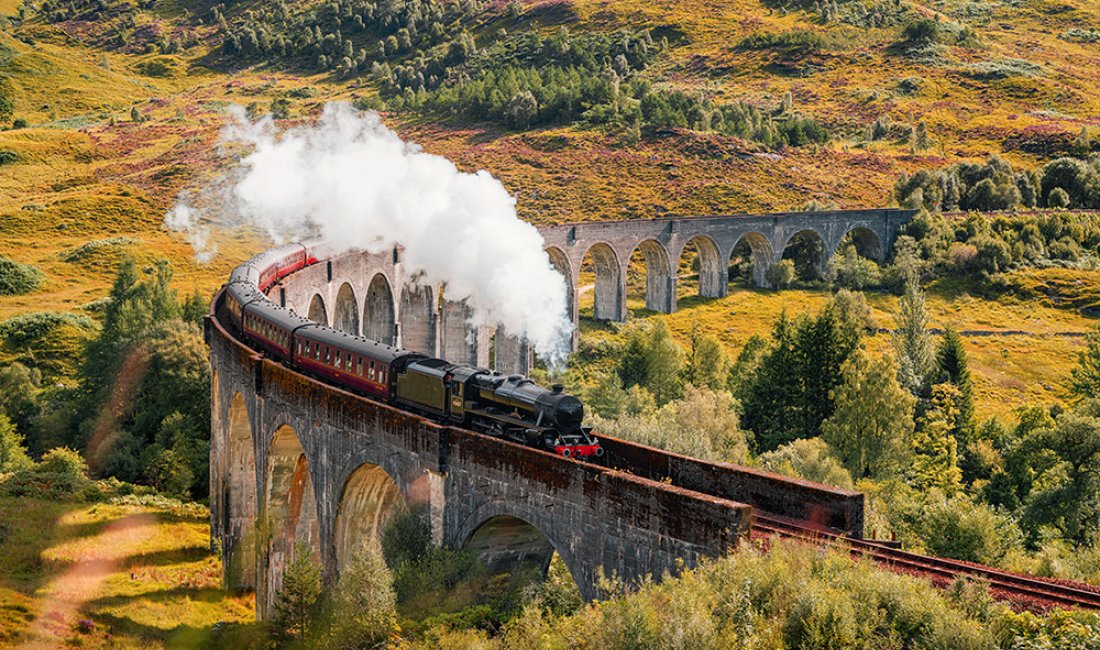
(781,495)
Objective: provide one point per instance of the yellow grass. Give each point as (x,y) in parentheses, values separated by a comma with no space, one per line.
(141,576)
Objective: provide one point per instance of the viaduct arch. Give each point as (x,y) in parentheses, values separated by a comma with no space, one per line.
(371,293)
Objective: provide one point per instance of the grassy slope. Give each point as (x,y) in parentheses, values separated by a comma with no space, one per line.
(144,576)
(1021,357)
(89,173)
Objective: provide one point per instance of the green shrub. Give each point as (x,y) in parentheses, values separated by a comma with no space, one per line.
(29,328)
(17,278)
(1058,199)
(822,619)
(9,157)
(1003,69)
(962,529)
(158,67)
(62,474)
(64,461)
(1078,35)
(97,246)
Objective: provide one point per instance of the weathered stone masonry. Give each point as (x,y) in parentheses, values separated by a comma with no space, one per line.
(513,504)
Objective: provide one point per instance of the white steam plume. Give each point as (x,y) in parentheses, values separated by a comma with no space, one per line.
(355,183)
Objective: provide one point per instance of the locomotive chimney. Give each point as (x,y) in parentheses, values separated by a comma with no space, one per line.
(557,388)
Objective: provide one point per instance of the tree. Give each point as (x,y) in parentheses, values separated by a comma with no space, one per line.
(652,359)
(145,386)
(522,110)
(769,396)
(821,348)
(952,364)
(850,270)
(873,421)
(935,450)
(1085,377)
(13,454)
(662,363)
(298,600)
(1066,494)
(632,361)
(781,274)
(912,342)
(1075,177)
(706,363)
(19,393)
(364,605)
(606,398)
(811,459)
(744,368)
(852,312)
(703,424)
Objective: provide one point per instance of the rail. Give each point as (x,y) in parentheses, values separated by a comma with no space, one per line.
(1027,591)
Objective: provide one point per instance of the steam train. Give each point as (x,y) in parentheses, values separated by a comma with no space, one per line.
(511,407)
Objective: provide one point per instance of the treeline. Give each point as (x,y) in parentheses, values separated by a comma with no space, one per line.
(347,36)
(140,407)
(421,57)
(995,185)
(526,80)
(986,247)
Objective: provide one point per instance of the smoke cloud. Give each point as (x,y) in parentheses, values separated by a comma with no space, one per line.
(355,183)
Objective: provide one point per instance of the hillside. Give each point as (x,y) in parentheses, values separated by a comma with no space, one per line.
(123,104)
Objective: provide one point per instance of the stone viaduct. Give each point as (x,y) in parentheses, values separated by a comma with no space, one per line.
(298,463)
(372,295)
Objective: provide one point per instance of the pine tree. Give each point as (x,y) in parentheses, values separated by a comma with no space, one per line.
(771,398)
(952,364)
(606,398)
(873,421)
(706,364)
(935,450)
(912,341)
(820,350)
(297,602)
(364,605)
(663,363)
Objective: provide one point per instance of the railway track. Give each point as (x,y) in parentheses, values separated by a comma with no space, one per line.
(1029,592)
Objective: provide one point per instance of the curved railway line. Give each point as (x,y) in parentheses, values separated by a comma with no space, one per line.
(1026,591)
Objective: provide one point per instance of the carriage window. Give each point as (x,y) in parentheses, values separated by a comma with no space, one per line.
(339,360)
(316,352)
(371,375)
(328,356)
(359,366)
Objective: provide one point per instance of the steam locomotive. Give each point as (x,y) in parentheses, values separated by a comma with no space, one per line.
(511,407)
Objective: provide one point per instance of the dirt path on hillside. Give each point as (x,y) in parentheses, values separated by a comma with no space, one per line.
(81,581)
